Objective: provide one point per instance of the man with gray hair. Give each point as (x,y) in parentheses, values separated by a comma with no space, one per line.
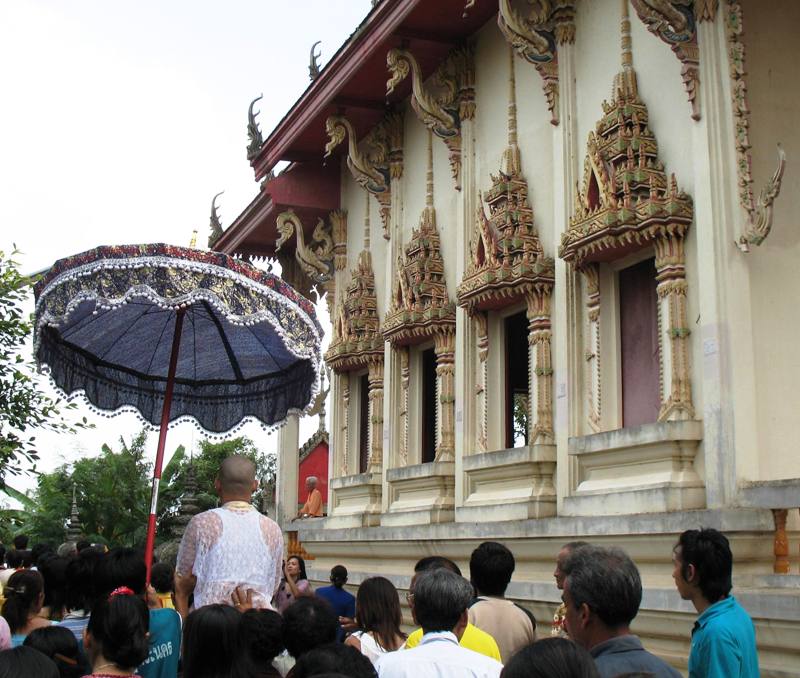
(313,506)
(602,593)
(439,602)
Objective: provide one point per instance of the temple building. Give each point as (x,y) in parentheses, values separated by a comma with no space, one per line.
(557,247)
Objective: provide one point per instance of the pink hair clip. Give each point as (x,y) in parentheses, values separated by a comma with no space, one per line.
(121,591)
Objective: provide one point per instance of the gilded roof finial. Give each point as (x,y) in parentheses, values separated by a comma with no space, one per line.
(429,186)
(366,221)
(214,222)
(511,161)
(313,66)
(625,83)
(253,131)
(193,239)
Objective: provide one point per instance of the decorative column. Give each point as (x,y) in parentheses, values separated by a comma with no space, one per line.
(540,422)
(445,348)
(482,382)
(676,390)
(781,544)
(287,471)
(405,378)
(591,274)
(344,422)
(375,380)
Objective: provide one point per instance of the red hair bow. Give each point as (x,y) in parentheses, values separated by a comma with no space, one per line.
(121,591)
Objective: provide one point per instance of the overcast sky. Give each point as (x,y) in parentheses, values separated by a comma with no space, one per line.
(121,119)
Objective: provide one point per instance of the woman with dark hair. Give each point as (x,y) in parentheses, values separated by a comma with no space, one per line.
(213,646)
(551,658)
(378,617)
(116,637)
(80,591)
(25,662)
(294,584)
(24,599)
(60,645)
(54,573)
(262,632)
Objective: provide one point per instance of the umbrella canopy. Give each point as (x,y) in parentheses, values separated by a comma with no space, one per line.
(249,345)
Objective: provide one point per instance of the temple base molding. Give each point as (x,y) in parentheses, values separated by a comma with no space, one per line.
(422,494)
(643,469)
(356,501)
(513,484)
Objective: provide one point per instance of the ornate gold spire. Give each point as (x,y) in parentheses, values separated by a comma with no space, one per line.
(626,79)
(511,161)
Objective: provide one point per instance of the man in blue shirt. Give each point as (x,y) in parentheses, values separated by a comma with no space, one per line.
(602,593)
(343,603)
(723,637)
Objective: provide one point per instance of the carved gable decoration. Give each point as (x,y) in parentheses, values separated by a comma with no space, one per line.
(506,256)
(626,199)
(420,304)
(357,338)
(507,260)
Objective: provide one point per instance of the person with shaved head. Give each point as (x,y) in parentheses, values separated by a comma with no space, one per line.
(231,551)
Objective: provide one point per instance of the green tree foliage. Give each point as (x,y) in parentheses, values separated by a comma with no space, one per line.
(113,497)
(24,405)
(206,465)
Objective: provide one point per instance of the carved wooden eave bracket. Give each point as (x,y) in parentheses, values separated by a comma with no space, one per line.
(535,39)
(674,22)
(759,214)
(314,259)
(357,340)
(373,167)
(444,100)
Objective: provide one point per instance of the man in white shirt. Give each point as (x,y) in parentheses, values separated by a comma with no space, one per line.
(439,604)
(229,547)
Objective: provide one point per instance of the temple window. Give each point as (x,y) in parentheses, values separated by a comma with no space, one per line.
(517,401)
(363,422)
(639,351)
(428,405)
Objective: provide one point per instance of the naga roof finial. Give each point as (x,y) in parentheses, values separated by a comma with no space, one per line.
(216,225)
(313,66)
(253,132)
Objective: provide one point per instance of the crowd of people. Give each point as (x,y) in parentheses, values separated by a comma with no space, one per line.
(233,608)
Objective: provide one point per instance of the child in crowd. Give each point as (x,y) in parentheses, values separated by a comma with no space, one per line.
(162,577)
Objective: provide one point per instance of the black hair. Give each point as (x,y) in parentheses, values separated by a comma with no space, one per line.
(440,598)
(119,624)
(40,549)
(2,554)
(302,564)
(608,581)
(213,646)
(27,558)
(21,542)
(21,592)
(490,568)
(378,611)
(54,573)
(434,563)
(24,662)
(334,659)
(162,577)
(710,553)
(80,580)
(308,623)
(551,658)
(14,559)
(82,544)
(262,633)
(121,566)
(338,576)
(60,644)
